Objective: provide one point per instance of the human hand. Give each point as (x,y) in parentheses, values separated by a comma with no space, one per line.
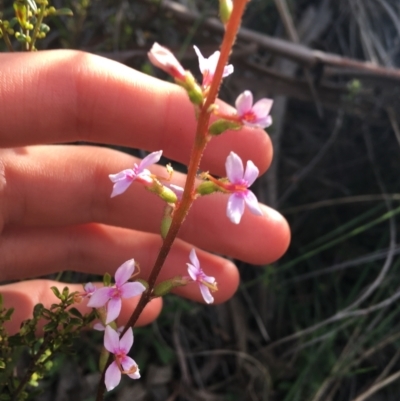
(55,208)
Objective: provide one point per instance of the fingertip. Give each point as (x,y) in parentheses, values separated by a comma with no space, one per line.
(276,239)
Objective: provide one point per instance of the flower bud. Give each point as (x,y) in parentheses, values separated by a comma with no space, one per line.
(166,286)
(225,10)
(220,126)
(207,188)
(165,225)
(103,359)
(162,58)
(193,89)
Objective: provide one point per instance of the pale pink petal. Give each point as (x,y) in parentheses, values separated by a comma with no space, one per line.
(194,259)
(124,272)
(252,203)
(127,363)
(234,168)
(111,340)
(178,191)
(100,297)
(126,341)
(99,327)
(244,102)
(228,70)
(89,288)
(112,377)
(202,60)
(162,58)
(206,294)
(262,108)
(264,122)
(122,183)
(208,279)
(150,159)
(113,309)
(251,173)
(129,290)
(235,208)
(212,62)
(193,271)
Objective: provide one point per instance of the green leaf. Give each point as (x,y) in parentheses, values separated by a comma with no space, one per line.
(64,11)
(56,292)
(75,312)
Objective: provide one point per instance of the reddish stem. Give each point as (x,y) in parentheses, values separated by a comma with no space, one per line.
(201,140)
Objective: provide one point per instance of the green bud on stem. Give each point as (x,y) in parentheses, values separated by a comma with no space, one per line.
(225,10)
(220,126)
(207,188)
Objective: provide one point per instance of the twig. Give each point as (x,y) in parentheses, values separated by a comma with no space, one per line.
(296,52)
(378,386)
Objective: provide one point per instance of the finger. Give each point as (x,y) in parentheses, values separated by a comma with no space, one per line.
(64,185)
(99,249)
(23,296)
(68,96)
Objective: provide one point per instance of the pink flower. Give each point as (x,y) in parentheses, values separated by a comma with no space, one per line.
(123,179)
(112,296)
(239,182)
(162,58)
(88,290)
(209,65)
(256,115)
(122,364)
(206,283)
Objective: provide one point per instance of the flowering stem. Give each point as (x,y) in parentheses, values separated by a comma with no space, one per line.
(200,143)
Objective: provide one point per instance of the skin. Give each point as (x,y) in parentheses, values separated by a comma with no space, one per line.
(55,207)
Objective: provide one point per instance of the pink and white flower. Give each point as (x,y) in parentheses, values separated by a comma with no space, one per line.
(240,181)
(206,283)
(122,364)
(256,115)
(139,172)
(162,58)
(209,65)
(111,297)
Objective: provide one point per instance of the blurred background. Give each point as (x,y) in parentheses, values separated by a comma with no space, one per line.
(321,324)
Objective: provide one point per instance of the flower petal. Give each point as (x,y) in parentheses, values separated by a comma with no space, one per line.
(251,173)
(129,290)
(244,102)
(150,159)
(205,292)
(113,309)
(162,58)
(112,377)
(126,341)
(111,340)
(100,297)
(202,60)
(124,272)
(235,208)
(193,271)
(234,168)
(194,259)
(228,70)
(122,181)
(252,203)
(262,108)
(127,364)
